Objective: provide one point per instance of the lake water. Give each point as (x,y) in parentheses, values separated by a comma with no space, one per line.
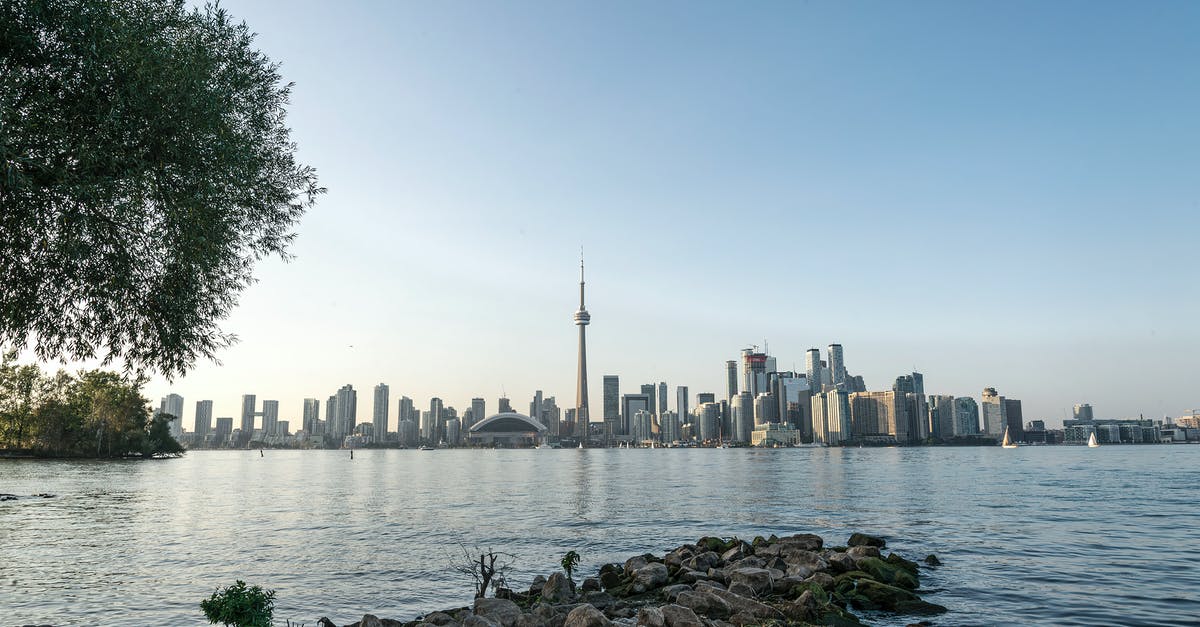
(1037,535)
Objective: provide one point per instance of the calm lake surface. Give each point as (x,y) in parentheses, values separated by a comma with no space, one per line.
(1037,535)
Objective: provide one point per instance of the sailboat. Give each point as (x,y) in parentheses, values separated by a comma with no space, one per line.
(1007,443)
(1092,443)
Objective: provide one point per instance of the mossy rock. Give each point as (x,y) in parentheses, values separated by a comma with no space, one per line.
(880,596)
(846,581)
(889,573)
(862,539)
(708,543)
(837,617)
(759,541)
(908,565)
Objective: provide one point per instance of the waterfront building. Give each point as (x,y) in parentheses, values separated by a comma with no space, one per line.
(754,370)
(408,432)
(831,417)
(270,418)
(347,409)
(203,421)
(1015,421)
(774,434)
(172,405)
(681,404)
(662,398)
(878,417)
(642,428)
(312,413)
(630,405)
(332,426)
(508,429)
(535,408)
(453,427)
(551,417)
(223,432)
(478,412)
(582,319)
(504,405)
(795,402)
(283,428)
(650,390)
(708,417)
(941,416)
(837,364)
(992,411)
(379,412)
(431,421)
(612,404)
(812,368)
(669,426)
(743,416)
(1082,411)
(765,409)
(249,402)
(966,417)
(731,379)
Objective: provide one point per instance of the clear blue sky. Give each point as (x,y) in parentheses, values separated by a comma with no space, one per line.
(998,194)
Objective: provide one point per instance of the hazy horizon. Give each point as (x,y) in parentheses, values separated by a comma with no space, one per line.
(993,194)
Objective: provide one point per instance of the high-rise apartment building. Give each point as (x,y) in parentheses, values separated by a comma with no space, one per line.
(742,412)
(731,379)
(223,431)
(708,417)
(662,398)
(966,417)
(650,390)
(1015,422)
(270,418)
(837,364)
(831,416)
(249,402)
(379,412)
(992,409)
(754,370)
(478,412)
(331,420)
(535,408)
(203,422)
(812,369)
(1082,411)
(347,410)
(630,405)
(681,403)
(172,405)
(431,423)
(941,416)
(312,414)
(878,416)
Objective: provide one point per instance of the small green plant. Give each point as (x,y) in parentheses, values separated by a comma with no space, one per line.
(240,606)
(569,562)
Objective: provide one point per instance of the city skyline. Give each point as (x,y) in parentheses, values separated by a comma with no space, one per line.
(993,195)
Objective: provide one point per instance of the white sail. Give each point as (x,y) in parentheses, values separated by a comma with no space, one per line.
(1007,443)
(1092,443)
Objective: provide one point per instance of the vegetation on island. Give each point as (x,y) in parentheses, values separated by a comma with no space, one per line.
(145,167)
(93,413)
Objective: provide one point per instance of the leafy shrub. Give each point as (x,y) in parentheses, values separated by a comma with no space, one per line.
(240,606)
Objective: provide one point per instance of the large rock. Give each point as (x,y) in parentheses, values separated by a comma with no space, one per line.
(557,589)
(862,539)
(841,563)
(739,604)
(651,616)
(536,586)
(590,584)
(679,616)
(703,561)
(481,621)
(501,611)
(803,541)
(599,600)
(610,579)
(704,603)
(859,552)
(884,572)
(670,592)
(436,618)
(634,563)
(649,577)
(692,576)
(872,595)
(758,579)
(586,616)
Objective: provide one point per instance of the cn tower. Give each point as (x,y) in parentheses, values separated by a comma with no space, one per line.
(582,318)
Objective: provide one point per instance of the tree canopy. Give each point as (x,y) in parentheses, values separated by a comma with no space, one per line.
(95,413)
(145,167)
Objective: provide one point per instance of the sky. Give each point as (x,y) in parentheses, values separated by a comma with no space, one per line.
(1001,194)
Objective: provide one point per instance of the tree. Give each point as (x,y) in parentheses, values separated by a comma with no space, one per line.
(145,166)
(569,562)
(485,568)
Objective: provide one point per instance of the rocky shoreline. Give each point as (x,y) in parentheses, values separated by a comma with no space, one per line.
(715,582)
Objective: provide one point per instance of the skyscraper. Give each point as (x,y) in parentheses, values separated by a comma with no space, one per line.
(172,405)
(312,413)
(837,364)
(270,418)
(379,412)
(249,402)
(1083,411)
(612,404)
(731,386)
(992,410)
(478,412)
(812,369)
(535,408)
(203,419)
(681,403)
(662,398)
(331,423)
(582,319)
(347,410)
(651,391)
(966,416)
(431,426)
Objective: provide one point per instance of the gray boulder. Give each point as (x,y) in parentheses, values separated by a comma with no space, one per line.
(479,621)
(857,553)
(438,618)
(804,541)
(738,587)
(670,592)
(649,577)
(535,587)
(862,539)
(841,563)
(557,589)
(634,563)
(758,579)
(703,561)
(599,600)
(651,617)
(739,604)
(679,616)
(586,616)
(704,602)
(500,611)
(590,584)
